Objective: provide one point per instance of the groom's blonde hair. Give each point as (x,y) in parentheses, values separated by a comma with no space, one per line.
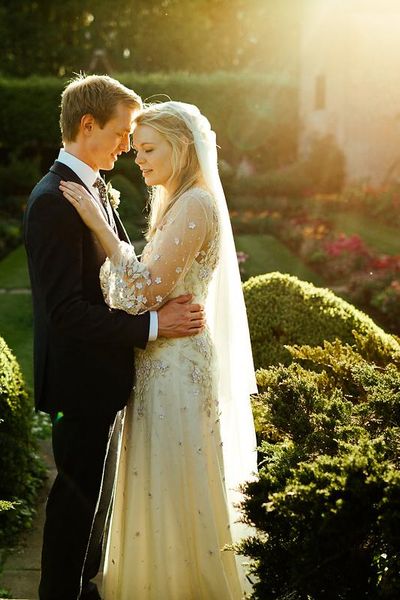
(97,95)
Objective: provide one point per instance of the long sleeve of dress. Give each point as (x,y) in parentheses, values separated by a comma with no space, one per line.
(135,286)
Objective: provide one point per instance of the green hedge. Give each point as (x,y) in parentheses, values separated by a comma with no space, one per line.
(132,206)
(322,170)
(10,235)
(326,503)
(21,472)
(17,178)
(283,310)
(253,114)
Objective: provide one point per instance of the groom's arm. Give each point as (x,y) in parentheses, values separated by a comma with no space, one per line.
(54,240)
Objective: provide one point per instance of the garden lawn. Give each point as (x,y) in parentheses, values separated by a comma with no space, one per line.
(377,236)
(14,270)
(267,254)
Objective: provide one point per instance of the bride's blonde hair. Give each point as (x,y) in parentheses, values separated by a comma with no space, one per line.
(186,173)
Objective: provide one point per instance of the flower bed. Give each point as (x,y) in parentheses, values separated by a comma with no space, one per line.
(368,279)
(363,276)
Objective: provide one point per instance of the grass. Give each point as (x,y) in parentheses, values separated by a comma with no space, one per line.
(267,254)
(14,270)
(378,237)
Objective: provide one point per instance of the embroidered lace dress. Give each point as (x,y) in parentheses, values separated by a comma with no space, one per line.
(170,518)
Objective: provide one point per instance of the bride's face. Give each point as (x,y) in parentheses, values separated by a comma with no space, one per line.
(153,156)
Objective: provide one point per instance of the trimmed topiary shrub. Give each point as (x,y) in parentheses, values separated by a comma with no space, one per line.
(326,504)
(21,472)
(283,310)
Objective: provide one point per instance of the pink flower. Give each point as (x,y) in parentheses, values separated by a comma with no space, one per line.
(241,257)
(347,244)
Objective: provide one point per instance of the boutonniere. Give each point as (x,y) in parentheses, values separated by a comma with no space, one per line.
(113,196)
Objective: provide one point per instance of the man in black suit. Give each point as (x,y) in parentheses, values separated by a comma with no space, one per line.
(83,351)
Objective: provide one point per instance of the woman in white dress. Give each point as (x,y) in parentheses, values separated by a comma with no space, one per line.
(188,438)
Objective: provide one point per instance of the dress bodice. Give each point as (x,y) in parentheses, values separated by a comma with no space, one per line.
(180,258)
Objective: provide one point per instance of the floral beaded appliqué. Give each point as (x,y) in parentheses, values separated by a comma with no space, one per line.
(147,368)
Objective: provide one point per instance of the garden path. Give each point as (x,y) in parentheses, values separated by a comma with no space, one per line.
(21,572)
(15,291)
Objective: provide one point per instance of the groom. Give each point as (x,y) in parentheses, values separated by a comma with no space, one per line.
(83,351)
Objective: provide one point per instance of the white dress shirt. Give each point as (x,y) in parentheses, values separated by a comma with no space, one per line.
(88,176)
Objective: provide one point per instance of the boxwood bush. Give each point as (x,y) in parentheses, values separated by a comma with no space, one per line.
(326,504)
(283,310)
(21,472)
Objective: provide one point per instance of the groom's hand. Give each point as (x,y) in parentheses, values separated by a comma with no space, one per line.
(179,318)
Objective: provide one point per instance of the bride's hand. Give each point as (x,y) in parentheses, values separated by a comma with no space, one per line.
(85,205)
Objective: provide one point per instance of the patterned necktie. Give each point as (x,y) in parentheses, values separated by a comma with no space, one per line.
(101,186)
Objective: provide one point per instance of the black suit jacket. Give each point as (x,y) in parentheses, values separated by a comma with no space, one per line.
(83,351)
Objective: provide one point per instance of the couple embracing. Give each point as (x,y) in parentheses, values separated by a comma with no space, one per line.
(156,456)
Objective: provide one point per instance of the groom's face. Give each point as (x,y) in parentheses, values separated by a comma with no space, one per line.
(105,144)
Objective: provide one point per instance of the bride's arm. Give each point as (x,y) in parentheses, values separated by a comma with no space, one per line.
(136,287)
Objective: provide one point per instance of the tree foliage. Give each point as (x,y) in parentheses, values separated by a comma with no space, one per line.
(61,37)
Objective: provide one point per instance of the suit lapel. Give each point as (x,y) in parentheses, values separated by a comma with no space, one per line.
(67,174)
(121,229)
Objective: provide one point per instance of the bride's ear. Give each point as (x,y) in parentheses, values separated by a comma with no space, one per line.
(87,124)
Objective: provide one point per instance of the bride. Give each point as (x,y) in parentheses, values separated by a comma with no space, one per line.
(188,439)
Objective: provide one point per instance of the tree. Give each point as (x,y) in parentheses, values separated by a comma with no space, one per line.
(59,38)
